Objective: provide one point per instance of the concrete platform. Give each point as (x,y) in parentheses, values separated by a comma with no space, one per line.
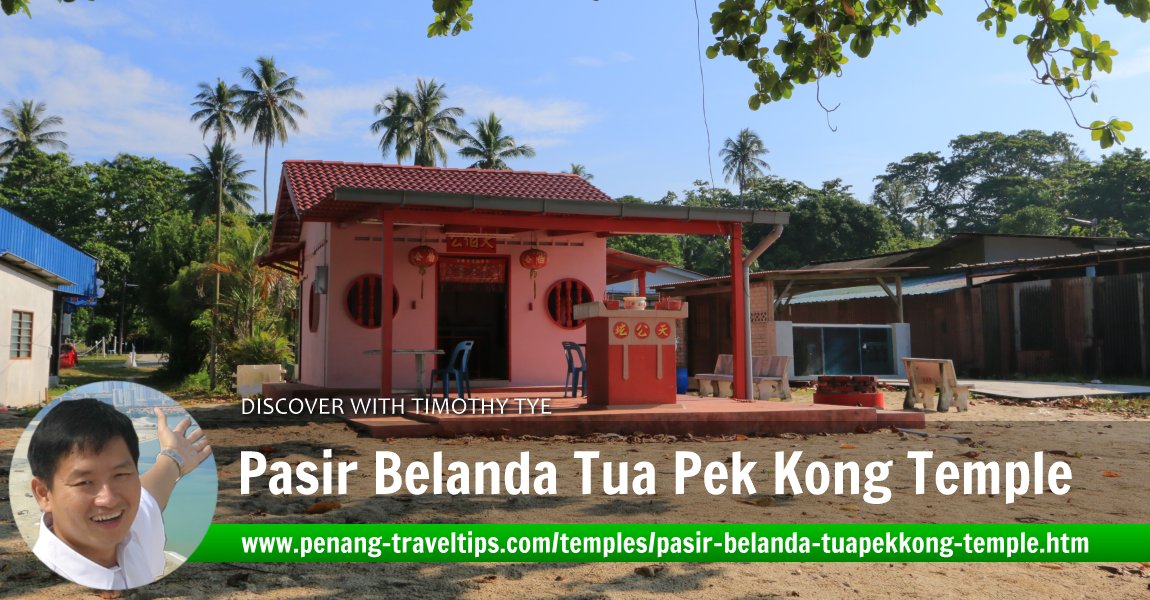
(689,416)
(1039,390)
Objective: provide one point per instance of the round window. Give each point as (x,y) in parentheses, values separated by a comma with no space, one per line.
(562,297)
(365,301)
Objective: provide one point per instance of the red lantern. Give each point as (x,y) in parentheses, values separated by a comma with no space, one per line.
(422,257)
(533,259)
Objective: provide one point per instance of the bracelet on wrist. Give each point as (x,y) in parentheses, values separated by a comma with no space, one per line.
(177,459)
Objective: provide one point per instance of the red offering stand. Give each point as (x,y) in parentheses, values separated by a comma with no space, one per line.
(630,355)
(846,390)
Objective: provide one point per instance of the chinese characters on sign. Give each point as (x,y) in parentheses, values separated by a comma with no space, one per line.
(471,244)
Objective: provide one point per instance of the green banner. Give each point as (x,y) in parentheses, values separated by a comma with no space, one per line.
(675,543)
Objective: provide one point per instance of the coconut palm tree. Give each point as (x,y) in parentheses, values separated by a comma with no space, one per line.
(431,124)
(205,177)
(741,162)
(396,123)
(580,170)
(269,108)
(488,146)
(218,106)
(25,127)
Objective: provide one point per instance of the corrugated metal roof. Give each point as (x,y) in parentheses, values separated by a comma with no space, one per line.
(34,269)
(914,286)
(1100,255)
(36,246)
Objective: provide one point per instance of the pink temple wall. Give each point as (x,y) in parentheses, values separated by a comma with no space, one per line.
(312,357)
(337,354)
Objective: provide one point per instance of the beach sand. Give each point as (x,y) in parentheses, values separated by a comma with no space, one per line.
(1109,454)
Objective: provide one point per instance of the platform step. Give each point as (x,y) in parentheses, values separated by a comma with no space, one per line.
(393,427)
(901,418)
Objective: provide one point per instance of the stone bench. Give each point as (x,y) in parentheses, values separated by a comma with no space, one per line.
(926,375)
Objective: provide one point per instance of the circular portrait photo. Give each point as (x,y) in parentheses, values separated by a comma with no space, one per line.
(113,485)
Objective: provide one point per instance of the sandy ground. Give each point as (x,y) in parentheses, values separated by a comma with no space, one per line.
(1110,457)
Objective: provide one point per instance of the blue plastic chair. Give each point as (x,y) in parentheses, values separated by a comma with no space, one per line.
(574,371)
(456,368)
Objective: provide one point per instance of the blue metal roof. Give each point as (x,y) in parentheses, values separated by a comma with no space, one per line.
(911,286)
(46,253)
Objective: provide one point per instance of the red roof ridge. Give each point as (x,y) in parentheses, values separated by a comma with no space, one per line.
(421,167)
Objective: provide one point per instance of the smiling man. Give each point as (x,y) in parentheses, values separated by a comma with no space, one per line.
(102,525)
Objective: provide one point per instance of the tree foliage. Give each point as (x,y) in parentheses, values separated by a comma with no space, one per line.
(25,127)
(488,146)
(269,107)
(785,43)
(396,125)
(203,183)
(580,170)
(1116,192)
(417,124)
(11,7)
(987,175)
(173,243)
(53,194)
(217,109)
(667,248)
(741,162)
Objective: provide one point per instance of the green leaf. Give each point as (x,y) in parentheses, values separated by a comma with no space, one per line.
(1020,38)
(754,102)
(1060,15)
(712,51)
(1122,125)
(1107,139)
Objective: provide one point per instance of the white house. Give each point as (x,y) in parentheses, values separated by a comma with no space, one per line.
(34,268)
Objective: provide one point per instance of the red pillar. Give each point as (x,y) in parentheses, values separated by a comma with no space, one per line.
(385,328)
(642,283)
(738,334)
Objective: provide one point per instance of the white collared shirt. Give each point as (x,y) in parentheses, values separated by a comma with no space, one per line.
(139,559)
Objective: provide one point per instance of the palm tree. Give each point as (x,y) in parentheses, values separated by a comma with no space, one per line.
(25,128)
(202,185)
(580,170)
(431,124)
(269,108)
(395,123)
(741,161)
(218,108)
(488,146)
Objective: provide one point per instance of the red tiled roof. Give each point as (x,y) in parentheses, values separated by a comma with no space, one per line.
(311,183)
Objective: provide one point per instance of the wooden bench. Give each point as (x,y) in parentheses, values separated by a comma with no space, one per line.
(771,378)
(926,375)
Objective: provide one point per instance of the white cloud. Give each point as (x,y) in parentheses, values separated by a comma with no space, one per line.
(344,113)
(108,105)
(309,74)
(523,117)
(1134,64)
(341,111)
(92,18)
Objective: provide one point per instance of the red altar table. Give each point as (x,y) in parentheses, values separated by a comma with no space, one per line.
(630,355)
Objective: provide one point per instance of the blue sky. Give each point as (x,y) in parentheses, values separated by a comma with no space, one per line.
(611,84)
